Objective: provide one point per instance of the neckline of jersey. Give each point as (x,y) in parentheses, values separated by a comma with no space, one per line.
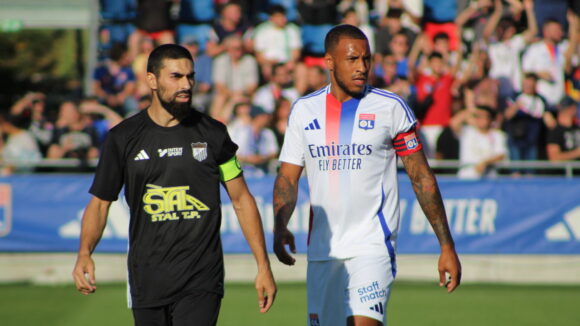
(158,127)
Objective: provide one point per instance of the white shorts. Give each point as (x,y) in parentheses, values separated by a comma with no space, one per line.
(340,288)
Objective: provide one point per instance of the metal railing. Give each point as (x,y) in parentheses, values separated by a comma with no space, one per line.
(568,169)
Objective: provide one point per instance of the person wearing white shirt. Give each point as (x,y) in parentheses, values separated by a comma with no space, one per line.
(276,40)
(505,51)
(546,59)
(480,145)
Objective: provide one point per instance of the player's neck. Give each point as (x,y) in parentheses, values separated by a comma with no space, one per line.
(160,116)
(339,93)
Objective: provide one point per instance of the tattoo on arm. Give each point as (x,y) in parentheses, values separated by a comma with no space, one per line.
(428,195)
(285,196)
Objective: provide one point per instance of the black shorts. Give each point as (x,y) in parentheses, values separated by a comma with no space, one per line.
(195,309)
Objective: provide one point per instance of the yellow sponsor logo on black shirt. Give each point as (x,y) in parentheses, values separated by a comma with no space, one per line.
(171,203)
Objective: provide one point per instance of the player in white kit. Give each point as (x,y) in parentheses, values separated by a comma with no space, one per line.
(347,136)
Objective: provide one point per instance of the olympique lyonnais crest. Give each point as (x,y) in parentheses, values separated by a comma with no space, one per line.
(199,151)
(411,141)
(5,209)
(366,121)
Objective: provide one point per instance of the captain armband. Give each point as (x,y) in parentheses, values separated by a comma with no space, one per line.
(407,143)
(230,169)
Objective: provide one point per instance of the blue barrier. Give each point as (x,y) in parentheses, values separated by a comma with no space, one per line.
(41,213)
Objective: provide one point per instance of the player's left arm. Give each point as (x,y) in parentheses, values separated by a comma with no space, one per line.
(251,224)
(429,197)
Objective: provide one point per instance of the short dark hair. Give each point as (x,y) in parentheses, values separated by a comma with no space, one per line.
(277,9)
(348,12)
(531,75)
(276,66)
(551,20)
(117,51)
(166,51)
(435,54)
(337,32)
(441,36)
(492,112)
(394,13)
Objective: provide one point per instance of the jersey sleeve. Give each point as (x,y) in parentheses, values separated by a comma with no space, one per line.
(293,146)
(109,176)
(404,138)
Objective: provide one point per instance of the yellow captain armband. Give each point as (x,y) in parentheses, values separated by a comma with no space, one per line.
(230,169)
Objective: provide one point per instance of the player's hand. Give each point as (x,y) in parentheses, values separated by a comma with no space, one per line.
(283,237)
(84,275)
(266,288)
(449,264)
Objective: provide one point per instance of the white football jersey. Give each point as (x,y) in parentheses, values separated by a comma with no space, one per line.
(348,150)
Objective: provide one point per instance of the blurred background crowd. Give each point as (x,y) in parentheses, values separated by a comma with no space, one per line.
(489,80)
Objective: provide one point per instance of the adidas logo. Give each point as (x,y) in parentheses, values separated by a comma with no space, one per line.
(142,156)
(378,308)
(567,230)
(313,125)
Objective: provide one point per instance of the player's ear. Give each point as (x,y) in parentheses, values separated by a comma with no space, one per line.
(152,81)
(329,61)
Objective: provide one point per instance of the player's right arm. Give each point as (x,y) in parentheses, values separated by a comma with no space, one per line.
(285,196)
(93,224)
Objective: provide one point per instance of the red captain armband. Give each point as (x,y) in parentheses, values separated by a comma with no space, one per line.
(407,143)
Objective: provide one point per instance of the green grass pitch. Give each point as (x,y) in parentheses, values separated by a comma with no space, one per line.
(420,304)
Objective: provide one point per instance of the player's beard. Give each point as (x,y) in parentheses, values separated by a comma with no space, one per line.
(179,110)
(344,87)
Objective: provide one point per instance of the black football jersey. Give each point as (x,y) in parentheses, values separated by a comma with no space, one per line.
(171,177)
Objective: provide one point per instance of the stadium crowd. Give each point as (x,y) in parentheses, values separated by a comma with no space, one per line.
(489,80)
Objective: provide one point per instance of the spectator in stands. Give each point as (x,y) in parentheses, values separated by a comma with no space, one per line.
(350,17)
(316,79)
(472,21)
(235,74)
(277,41)
(72,137)
(476,77)
(19,151)
(390,79)
(280,85)
(229,22)
(99,117)
(433,99)
(563,142)
(114,81)
(390,25)
(447,147)
(571,62)
(399,50)
(32,106)
(524,118)
(359,7)
(290,6)
(280,119)
(480,145)
(139,66)
(201,99)
(505,50)
(546,59)
(257,143)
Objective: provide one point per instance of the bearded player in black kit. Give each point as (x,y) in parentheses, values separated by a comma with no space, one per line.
(171,161)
